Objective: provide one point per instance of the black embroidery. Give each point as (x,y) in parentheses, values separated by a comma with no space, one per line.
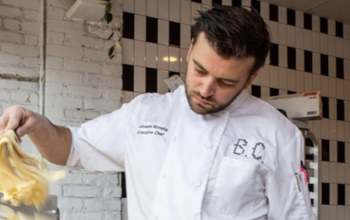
(240,146)
(259,151)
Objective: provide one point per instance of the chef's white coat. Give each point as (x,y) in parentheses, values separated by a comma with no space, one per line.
(242,163)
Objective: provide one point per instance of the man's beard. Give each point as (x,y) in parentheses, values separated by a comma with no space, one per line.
(203,110)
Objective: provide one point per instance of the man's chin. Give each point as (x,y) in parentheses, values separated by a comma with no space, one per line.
(201,110)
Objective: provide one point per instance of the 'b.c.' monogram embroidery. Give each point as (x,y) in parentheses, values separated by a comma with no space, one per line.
(252,150)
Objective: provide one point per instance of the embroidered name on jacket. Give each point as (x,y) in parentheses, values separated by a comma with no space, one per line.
(152,129)
(250,149)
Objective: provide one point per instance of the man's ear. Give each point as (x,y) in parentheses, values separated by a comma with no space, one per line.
(251,79)
(190,50)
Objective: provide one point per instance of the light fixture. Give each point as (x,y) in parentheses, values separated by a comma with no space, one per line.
(170,59)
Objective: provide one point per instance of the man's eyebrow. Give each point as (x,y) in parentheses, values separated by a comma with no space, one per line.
(200,66)
(206,71)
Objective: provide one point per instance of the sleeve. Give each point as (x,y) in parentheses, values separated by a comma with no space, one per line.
(286,189)
(98,145)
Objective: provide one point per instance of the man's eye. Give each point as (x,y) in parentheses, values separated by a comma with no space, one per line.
(199,71)
(226,84)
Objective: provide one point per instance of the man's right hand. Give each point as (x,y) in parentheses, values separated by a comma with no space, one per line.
(53,142)
(19,119)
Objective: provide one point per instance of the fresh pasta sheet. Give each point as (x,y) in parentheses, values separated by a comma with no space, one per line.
(24,177)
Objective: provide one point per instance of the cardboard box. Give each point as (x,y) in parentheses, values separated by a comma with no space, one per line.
(301,106)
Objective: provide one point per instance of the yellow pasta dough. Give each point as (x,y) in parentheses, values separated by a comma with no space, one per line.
(24,177)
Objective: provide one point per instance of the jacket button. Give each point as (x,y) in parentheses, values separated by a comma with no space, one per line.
(208,145)
(163,175)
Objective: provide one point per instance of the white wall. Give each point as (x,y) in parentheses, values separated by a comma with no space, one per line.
(78,84)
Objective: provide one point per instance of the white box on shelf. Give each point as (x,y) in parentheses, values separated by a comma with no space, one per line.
(301,106)
(89,10)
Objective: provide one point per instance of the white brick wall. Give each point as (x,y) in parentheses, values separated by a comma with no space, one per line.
(80,84)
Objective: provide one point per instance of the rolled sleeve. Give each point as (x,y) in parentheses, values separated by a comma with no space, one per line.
(98,145)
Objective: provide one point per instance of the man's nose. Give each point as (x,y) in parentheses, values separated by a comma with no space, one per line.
(207,87)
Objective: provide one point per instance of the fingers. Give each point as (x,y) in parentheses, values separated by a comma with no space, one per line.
(3,122)
(11,120)
(30,124)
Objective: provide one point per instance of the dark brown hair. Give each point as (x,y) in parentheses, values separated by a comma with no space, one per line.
(234,32)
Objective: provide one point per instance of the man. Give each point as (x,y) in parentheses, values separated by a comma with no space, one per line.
(207,151)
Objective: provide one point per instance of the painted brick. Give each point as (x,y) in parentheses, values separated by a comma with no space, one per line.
(54,88)
(113,70)
(10,37)
(29,4)
(112,94)
(19,71)
(66,52)
(65,27)
(33,99)
(82,215)
(4,95)
(53,113)
(96,55)
(98,32)
(108,81)
(81,191)
(19,96)
(71,113)
(102,204)
(54,62)
(31,15)
(73,78)
(31,40)
(54,76)
(54,37)
(30,61)
(112,192)
(84,91)
(76,65)
(63,101)
(55,13)
(112,178)
(30,86)
(30,27)
(11,24)
(11,12)
(8,84)
(110,215)
(98,104)
(10,59)
(75,177)
(71,203)
(82,41)
(23,50)
(101,179)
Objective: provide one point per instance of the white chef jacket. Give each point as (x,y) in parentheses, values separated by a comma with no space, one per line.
(242,163)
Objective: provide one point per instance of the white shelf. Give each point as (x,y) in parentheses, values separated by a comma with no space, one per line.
(89,10)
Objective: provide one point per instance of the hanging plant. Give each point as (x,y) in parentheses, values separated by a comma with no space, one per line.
(109,18)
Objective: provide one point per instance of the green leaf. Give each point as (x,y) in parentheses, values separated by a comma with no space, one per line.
(108,17)
(110,36)
(111,57)
(111,51)
(108,7)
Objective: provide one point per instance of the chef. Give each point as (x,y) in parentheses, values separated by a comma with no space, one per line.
(208,151)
